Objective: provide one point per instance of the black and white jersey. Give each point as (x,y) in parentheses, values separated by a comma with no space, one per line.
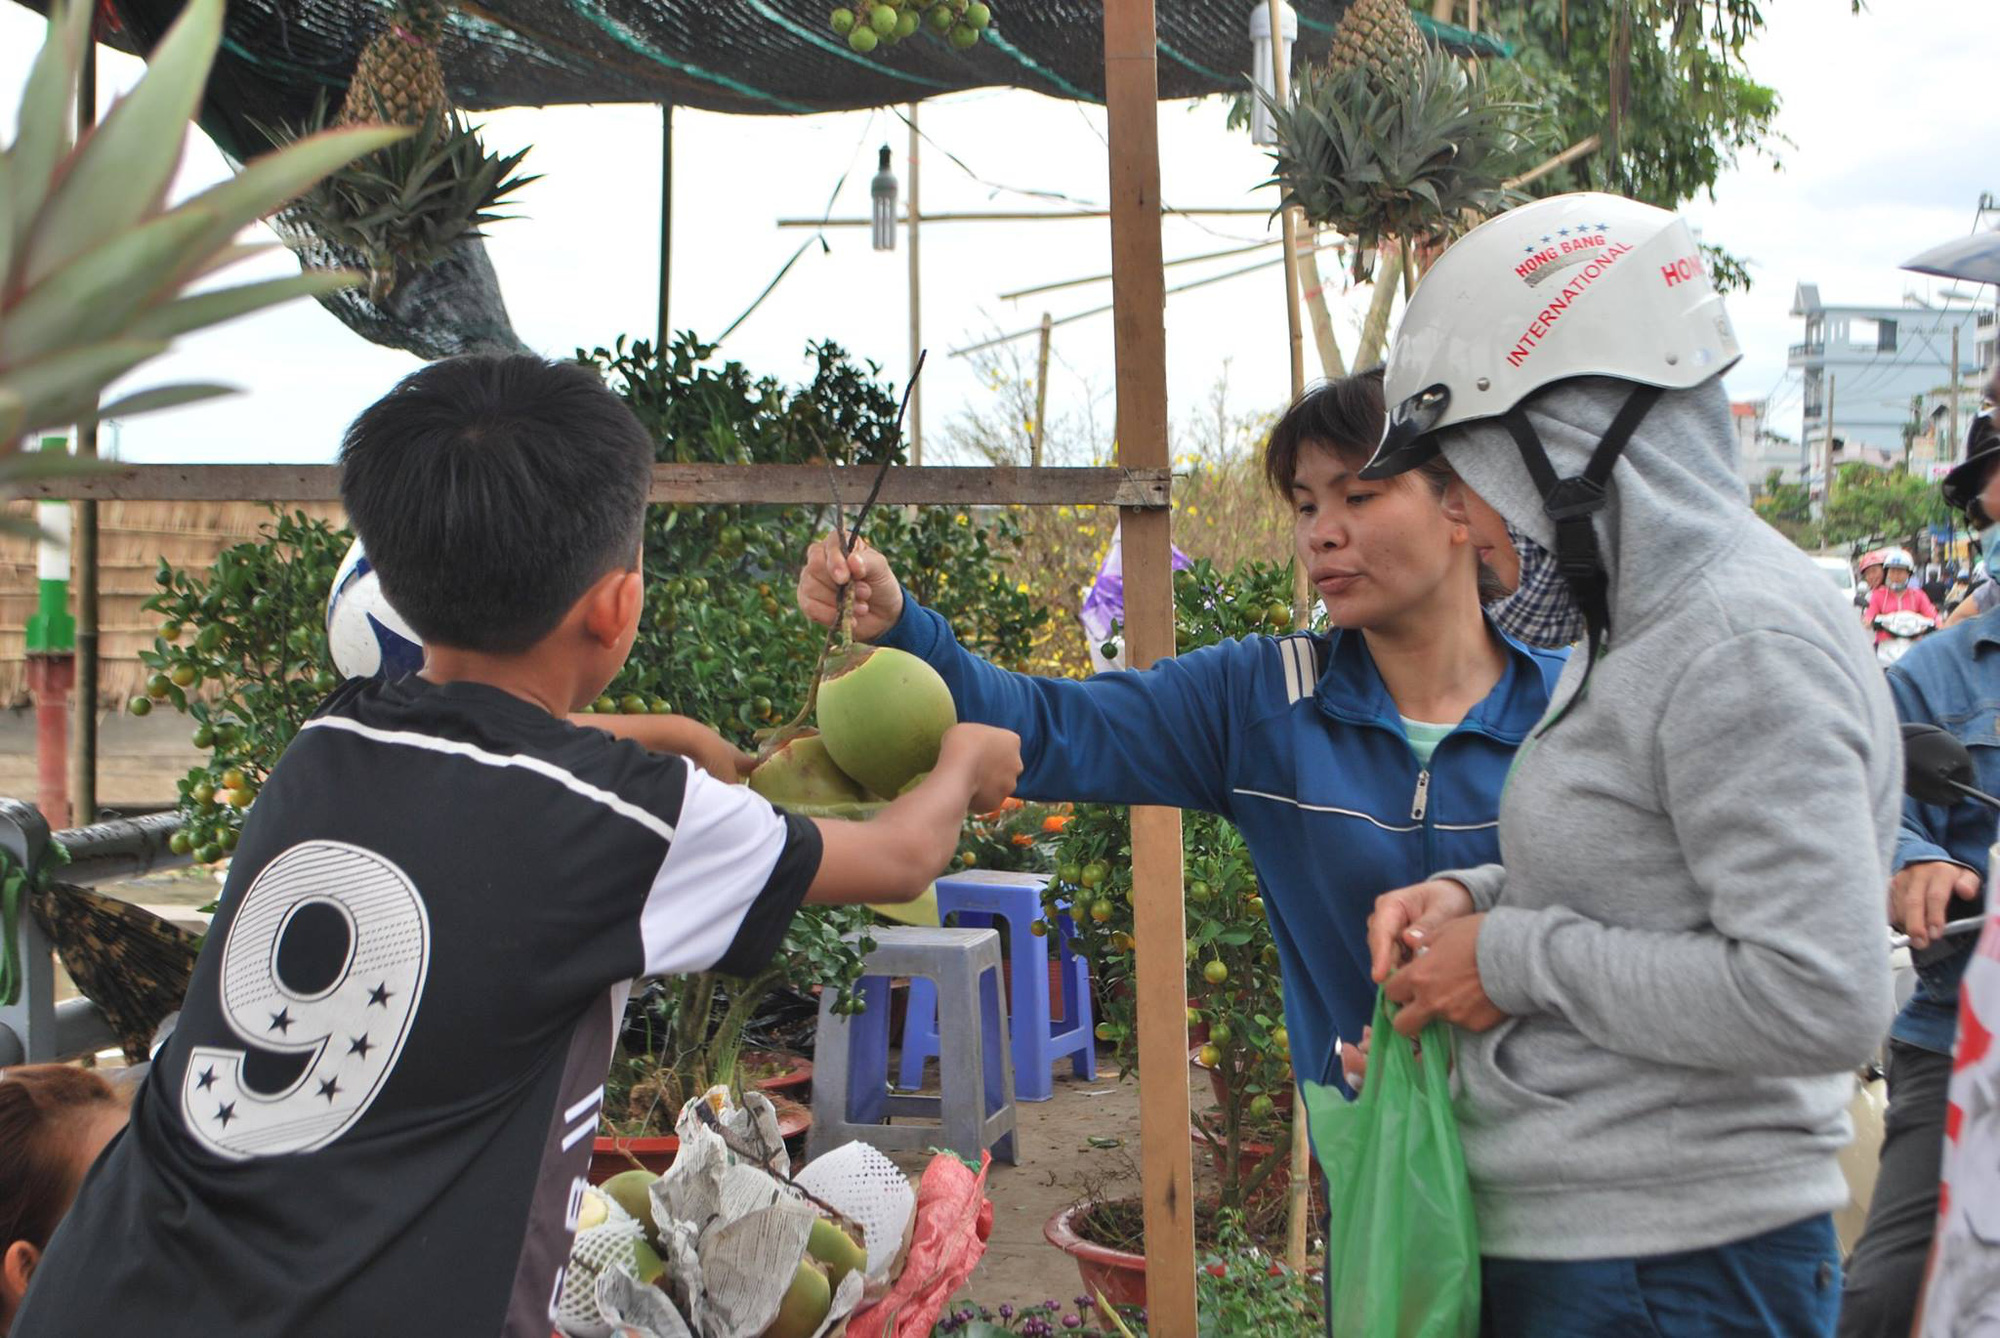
(383,1088)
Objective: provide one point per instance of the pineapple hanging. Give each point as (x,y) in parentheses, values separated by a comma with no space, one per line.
(1376,35)
(399,77)
(1394,139)
(405,209)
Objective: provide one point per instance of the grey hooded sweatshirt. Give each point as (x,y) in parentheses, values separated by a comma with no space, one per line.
(1687,925)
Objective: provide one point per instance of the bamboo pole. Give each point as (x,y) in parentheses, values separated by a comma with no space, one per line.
(915,215)
(1027,216)
(1313,287)
(1131,96)
(1297,1193)
(1375,327)
(665,335)
(1041,396)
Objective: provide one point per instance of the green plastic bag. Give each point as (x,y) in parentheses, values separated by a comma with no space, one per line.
(1402,1250)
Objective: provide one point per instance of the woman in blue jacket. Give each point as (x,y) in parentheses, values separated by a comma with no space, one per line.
(1353,761)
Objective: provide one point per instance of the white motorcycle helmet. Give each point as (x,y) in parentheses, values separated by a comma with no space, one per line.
(1573,285)
(1893,558)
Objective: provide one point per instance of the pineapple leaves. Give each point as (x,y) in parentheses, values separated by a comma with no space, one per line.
(1415,151)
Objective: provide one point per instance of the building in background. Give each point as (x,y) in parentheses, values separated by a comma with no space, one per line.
(1876,361)
(1760,452)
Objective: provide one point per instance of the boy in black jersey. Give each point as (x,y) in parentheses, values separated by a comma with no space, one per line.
(388,1069)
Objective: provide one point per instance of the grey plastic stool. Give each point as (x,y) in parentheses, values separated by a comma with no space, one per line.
(851,1096)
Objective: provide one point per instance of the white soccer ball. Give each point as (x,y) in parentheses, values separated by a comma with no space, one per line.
(364,635)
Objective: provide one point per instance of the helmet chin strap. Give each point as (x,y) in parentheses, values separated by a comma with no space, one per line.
(1573,503)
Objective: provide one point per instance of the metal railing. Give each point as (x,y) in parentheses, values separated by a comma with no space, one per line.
(35,1028)
(1806,350)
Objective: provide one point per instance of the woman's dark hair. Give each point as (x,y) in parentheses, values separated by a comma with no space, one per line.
(40,1108)
(1344,416)
(491,491)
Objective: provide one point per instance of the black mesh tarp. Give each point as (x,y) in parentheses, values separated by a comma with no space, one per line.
(760,56)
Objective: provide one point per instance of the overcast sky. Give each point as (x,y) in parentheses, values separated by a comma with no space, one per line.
(1886,113)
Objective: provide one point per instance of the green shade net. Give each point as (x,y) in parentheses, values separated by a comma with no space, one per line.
(766,57)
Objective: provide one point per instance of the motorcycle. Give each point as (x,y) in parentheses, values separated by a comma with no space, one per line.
(1903,630)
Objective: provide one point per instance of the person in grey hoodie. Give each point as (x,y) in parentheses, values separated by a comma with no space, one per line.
(1663,990)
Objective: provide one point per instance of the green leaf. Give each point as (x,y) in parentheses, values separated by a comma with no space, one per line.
(269,181)
(95,294)
(47,113)
(58,389)
(120,171)
(216,306)
(163,397)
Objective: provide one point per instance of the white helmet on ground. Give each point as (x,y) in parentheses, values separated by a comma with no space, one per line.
(1583,285)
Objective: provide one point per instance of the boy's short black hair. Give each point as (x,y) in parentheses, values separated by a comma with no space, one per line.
(490,491)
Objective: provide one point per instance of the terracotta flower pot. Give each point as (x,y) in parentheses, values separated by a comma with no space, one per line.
(656,1154)
(1119,1274)
(794,1079)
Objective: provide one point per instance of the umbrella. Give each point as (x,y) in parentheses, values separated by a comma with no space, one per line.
(128,961)
(1975,259)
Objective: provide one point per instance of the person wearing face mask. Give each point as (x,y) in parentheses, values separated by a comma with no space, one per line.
(1352,760)
(1966,489)
(1662,989)
(1950,679)
(1898,593)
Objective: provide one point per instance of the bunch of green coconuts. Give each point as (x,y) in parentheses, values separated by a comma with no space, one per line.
(868,24)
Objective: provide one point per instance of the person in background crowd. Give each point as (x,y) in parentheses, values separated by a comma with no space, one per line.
(1965,489)
(1951,679)
(1869,564)
(1898,593)
(54,1120)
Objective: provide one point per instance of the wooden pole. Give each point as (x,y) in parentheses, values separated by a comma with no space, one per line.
(1041,396)
(666,330)
(916,304)
(83,785)
(1138,289)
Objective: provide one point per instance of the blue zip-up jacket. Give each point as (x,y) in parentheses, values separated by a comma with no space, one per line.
(1950,679)
(1295,740)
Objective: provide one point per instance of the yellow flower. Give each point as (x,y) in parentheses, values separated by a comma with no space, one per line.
(960,518)
(1022,587)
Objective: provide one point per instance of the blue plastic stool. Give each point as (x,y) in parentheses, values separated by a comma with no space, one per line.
(975,1107)
(1040,1040)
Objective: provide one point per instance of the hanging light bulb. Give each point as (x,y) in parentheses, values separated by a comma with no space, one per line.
(883,192)
(1262,129)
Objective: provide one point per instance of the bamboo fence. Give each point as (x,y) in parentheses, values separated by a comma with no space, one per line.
(133,536)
